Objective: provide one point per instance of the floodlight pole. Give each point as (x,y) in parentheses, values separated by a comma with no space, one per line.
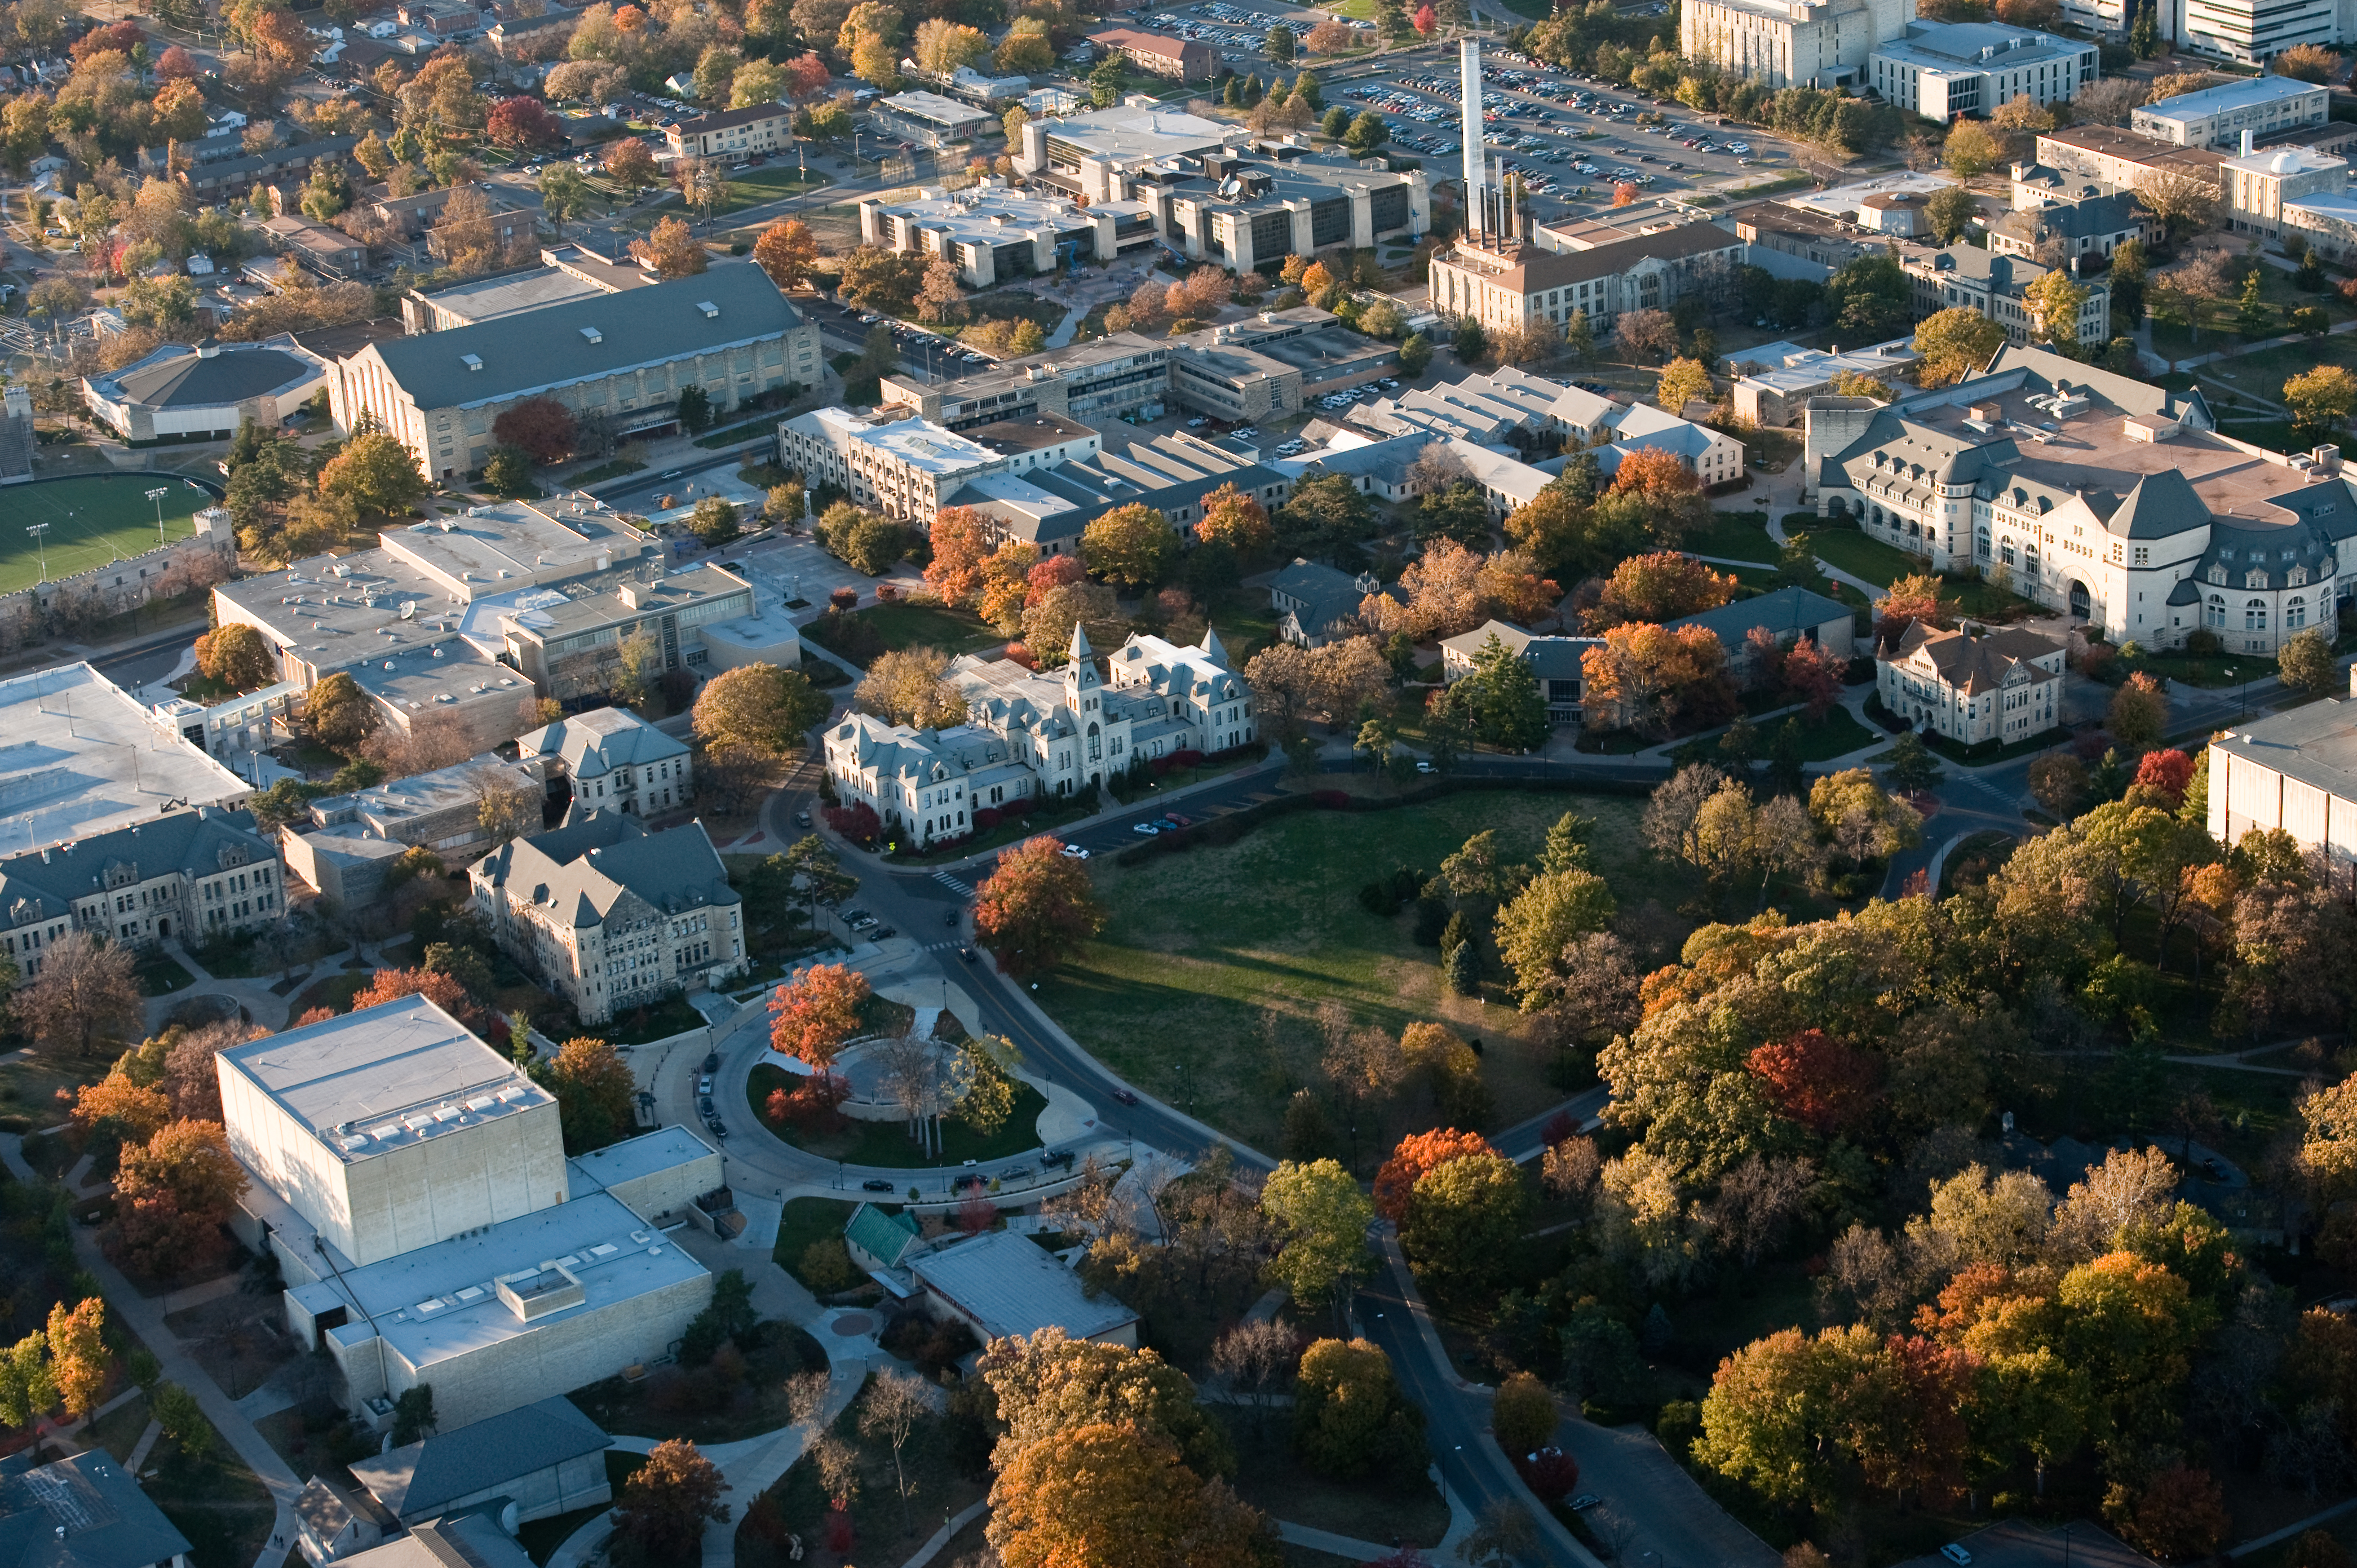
(158,495)
(42,545)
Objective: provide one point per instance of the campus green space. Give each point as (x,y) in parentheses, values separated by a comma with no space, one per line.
(91,519)
(1197,947)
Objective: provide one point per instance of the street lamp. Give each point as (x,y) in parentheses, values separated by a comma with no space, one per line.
(158,495)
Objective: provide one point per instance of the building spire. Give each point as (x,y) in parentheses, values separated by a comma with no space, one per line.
(1079,648)
(1212,648)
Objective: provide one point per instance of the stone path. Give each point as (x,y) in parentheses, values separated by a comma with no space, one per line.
(146,1318)
(145,1445)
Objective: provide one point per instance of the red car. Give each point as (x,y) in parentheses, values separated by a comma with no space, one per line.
(1125,1096)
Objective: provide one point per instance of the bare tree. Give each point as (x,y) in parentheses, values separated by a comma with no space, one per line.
(1436,468)
(891,1407)
(1257,1359)
(1756,1204)
(915,1078)
(505,807)
(1568,1170)
(86,991)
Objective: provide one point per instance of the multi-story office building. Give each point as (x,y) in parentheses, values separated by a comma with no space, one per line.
(1943,69)
(1182,59)
(2217,117)
(2261,186)
(1247,213)
(992,234)
(1508,284)
(1094,154)
(1791,43)
(905,469)
(2120,160)
(929,119)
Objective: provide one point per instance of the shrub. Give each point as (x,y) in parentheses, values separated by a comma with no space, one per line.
(1431,921)
(2202,641)
(844,598)
(825,1266)
(887,593)
(985,818)
(1331,799)
(1549,1473)
(1376,898)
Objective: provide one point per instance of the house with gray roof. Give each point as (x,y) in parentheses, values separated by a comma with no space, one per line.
(628,356)
(1554,661)
(1004,1285)
(543,1458)
(190,873)
(1788,615)
(610,916)
(331,1522)
(84,1512)
(462,1541)
(614,760)
(1317,603)
(203,391)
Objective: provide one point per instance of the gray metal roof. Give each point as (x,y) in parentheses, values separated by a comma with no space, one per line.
(180,377)
(596,743)
(463,1540)
(584,867)
(197,841)
(417,1479)
(1014,1288)
(82,1512)
(1786,609)
(651,326)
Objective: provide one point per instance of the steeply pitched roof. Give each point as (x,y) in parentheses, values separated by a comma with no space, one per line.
(416,1480)
(1785,610)
(196,842)
(881,1235)
(583,868)
(599,741)
(1974,665)
(2162,505)
(651,326)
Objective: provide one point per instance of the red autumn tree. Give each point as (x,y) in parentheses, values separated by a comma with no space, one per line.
(806,76)
(393,984)
(1051,573)
(541,428)
(1814,675)
(1418,1153)
(2181,1516)
(176,64)
(1910,599)
(1817,1080)
(812,1015)
(1037,908)
(173,1193)
(858,822)
(2166,774)
(1425,20)
(119,38)
(1650,471)
(522,123)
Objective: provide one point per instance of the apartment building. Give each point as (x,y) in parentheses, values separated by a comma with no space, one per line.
(1181,59)
(1942,70)
(733,133)
(1514,285)
(1790,43)
(2217,117)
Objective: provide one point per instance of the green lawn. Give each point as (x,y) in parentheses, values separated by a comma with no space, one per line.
(160,974)
(905,624)
(91,520)
(888,1143)
(1736,536)
(805,1220)
(1196,945)
(1870,559)
(1836,734)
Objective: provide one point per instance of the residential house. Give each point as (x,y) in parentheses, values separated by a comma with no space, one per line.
(1317,603)
(1786,615)
(879,1240)
(1554,661)
(1971,685)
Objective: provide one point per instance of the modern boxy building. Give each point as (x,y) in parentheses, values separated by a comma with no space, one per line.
(1942,70)
(2217,117)
(2296,770)
(81,757)
(727,331)
(1790,43)
(990,233)
(929,119)
(412,1184)
(1093,154)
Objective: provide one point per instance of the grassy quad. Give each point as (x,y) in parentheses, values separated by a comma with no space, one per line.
(1197,945)
(91,521)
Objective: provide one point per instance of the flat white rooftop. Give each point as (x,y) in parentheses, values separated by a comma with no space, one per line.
(1843,200)
(444,1301)
(922,443)
(385,1078)
(2243,94)
(78,756)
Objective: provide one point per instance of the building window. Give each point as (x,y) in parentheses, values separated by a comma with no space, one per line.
(2295,615)
(2254,615)
(2215,612)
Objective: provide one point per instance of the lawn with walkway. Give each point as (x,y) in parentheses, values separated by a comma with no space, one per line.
(1199,947)
(888,1143)
(856,634)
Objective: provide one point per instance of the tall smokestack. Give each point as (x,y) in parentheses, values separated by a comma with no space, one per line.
(1469,83)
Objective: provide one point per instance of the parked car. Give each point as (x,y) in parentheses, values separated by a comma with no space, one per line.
(1176,820)
(719,1128)
(703,1084)
(704,1105)
(875,1184)
(1148,829)
(1074,851)
(883,933)
(1011,1172)
(1585,1501)
(712,1062)
(1060,1160)
(1955,1553)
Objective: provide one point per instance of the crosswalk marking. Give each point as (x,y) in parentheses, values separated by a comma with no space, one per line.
(939,947)
(946,880)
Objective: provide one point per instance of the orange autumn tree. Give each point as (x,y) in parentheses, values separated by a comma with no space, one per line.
(1512,581)
(116,1110)
(1418,1153)
(78,1355)
(1660,586)
(1650,678)
(961,551)
(174,1192)
(1910,599)
(1037,907)
(1650,471)
(811,1015)
(1233,519)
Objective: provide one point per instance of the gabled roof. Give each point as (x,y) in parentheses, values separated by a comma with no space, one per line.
(596,743)
(888,1236)
(1014,1288)
(584,868)
(416,1480)
(2162,505)
(1974,665)
(1785,610)
(82,1512)
(195,842)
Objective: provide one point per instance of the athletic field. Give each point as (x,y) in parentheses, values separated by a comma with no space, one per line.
(92,520)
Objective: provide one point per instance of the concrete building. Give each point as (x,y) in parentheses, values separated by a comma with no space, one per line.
(568,640)
(728,331)
(1514,285)
(1997,287)
(1050,506)
(193,873)
(734,134)
(1244,372)
(2120,160)
(613,760)
(1554,661)
(1248,212)
(1040,735)
(610,916)
(905,469)
(2129,512)
(349,841)
(202,393)
(84,1512)
(989,232)
(1002,1286)
(2217,117)
(1942,69)
(2260,186)
(2296,770)
(412,1184)
(1791,43)
(1974,686)
(567,273)
(537,1460)
(2327,223)
(1775,380)
(1093,155)
(83,759)
(1094,383)
(930,119)
(1181,59)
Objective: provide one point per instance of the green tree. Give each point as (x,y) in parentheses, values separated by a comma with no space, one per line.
(1366,133)
(1324,1218)
(412,1415)
(1463,1220)
(1543,918)
(2254,317)
(1955,343)
(1500,700)
(1132,545)
(1523,1415)
(1416,354)
(2321,400)
(375,473)
(1278,45)
(2306,663)
(1949,211)
(1911,765)
(507,474)
(1349,1418)
(2144,33)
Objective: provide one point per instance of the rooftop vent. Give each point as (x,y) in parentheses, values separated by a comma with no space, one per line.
(593,335)
(710,311)
(472,362)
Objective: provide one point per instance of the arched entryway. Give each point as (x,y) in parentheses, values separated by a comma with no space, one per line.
(2080,603)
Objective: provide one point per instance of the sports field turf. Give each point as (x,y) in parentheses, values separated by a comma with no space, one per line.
(92,520)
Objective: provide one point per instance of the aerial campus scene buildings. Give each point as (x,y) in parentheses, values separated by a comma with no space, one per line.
(1188,840)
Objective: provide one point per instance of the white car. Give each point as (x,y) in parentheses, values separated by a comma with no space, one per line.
(1148,829)
(1074,851)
